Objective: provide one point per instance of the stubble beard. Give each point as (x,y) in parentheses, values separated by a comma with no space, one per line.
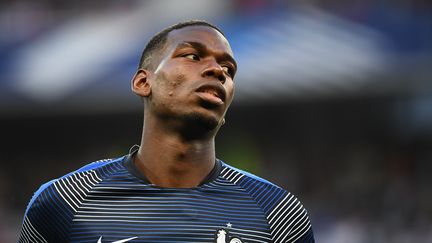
(197,125)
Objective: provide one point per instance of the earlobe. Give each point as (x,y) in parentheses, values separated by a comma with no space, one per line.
(140,85)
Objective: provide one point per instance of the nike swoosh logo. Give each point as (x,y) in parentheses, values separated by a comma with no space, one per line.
(118,241)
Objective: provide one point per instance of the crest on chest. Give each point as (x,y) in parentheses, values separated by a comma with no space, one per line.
(224,236)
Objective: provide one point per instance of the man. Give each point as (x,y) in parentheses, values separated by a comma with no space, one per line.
(172,188)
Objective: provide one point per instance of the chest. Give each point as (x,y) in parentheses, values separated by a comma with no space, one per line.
(163,215)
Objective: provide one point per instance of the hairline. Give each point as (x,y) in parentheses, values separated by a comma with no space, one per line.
(158,46)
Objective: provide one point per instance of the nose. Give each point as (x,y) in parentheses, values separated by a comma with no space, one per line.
(213,69)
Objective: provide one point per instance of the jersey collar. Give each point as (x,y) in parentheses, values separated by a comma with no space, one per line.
(131,167)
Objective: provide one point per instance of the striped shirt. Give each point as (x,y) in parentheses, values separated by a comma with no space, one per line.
(110,201)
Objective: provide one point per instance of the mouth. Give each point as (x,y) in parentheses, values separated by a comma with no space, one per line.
(212,93)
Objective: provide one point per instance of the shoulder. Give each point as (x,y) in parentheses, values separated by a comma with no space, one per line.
(247,180)
(93,171)
(90,173)
(102,167)
(287,217)
(58,200)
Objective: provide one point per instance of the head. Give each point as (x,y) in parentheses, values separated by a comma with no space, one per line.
(186,76)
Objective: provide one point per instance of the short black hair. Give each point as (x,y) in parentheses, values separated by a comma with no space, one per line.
(159,40)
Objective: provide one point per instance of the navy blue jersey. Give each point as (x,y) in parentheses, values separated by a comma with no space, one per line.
(110,201)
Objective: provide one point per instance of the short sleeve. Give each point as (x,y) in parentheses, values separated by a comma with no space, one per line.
(289,221)
(47,218)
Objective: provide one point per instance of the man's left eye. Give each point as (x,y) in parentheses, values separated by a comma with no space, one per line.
(228,70)
(192,56)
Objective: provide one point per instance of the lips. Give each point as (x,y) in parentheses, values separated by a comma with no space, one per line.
(212,92)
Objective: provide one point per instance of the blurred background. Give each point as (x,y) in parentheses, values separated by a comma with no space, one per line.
(333,102)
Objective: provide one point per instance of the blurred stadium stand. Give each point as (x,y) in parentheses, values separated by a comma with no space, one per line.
(333,101)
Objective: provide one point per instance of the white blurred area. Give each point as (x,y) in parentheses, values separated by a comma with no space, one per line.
(349,82)
(57,50)
(81,49)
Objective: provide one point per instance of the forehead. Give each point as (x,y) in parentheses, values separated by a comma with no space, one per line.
(209,37)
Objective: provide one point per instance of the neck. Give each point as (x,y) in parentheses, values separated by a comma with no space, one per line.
(169,160)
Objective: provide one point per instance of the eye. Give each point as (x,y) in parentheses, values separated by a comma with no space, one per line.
(192,57)
(228,70)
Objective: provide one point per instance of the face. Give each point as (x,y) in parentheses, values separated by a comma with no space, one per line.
(194,79)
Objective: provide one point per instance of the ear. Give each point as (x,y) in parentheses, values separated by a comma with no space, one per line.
(140,84)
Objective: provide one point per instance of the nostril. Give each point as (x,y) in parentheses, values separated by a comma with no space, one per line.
(210,73)
(215,73)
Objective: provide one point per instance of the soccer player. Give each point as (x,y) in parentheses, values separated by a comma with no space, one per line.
(172,188)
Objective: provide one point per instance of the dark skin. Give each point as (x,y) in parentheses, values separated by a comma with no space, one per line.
(185,99)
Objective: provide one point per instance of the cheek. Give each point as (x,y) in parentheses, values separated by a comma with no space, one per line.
(174,84)
(175,78)
(171,79)
(230,90)
(180,78)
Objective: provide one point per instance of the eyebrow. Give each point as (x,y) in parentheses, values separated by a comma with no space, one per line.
(202,48)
